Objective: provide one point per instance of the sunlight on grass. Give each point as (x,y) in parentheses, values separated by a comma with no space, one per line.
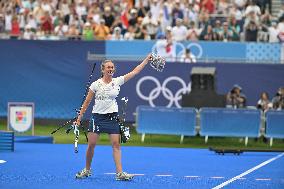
(159,140)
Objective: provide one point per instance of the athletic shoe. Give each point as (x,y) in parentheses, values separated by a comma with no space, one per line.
(123,176)
(84,173)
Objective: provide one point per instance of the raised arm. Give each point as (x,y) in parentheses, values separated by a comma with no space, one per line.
(137,69)
(85,106)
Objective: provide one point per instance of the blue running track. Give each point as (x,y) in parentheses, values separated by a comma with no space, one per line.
(41,166)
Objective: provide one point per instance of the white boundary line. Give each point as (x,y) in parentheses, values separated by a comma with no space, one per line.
(138,174)
(191,176)
(217,177)
(2,161)
(109,173)
(248,171)
(263,179)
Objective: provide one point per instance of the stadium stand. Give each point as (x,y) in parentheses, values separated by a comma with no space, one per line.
(222,20)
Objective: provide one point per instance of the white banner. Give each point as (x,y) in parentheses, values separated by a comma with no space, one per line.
(20,116)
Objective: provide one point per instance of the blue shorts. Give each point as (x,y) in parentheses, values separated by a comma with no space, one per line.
(104,123)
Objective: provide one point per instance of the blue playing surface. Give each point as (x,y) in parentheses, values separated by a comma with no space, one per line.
(40,166)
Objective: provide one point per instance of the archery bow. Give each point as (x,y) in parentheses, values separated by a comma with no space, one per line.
(75,127)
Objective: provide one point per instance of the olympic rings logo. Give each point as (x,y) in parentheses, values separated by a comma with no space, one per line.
(172,97)
(179,49)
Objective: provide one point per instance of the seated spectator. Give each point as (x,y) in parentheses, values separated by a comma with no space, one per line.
(208,5)
(265,23)
(56,17)
(226,34)
(177,12)
(252,7)
(88,33)
(217,29)
(209,34)
(130,35)
(94,15)
(40,34)
(38,13)
(81,10)
(108,17)
(102,31)
(273,33)
(236,14)
(8,21)
(235,98)
(251,31)
(190,15)
(142,7)
(193,32)
(281,12)
(15,32)
(61,29)
(64,7)
(117,23)
(2,23)
(46,23)
(280,29)
(73,32)
(235,28)
(187,57)
(223,7)
(28,33)
(203,20)
(278,100)
(240,3)
(141,32)
(133,17)
(22,19)
(116,34)
(31,21)
(264,103)
(179,31)
(155,7)
(151,25)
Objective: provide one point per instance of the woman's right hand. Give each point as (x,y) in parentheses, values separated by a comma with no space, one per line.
(77,122)
(149,56)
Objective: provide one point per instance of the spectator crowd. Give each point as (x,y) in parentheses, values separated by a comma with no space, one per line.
(237,99)
(210,20)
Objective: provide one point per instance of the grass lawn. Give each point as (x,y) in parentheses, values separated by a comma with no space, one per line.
(160,140)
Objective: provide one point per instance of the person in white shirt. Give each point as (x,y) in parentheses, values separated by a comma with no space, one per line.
(179,31)
(81,10)
(252,7)
(151,25)
(105,90)
(31,21)
(155,7)
(167,47)
(130,35)
(273,33)
(8,21)
(61,30)
(117,34)
(28,33)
